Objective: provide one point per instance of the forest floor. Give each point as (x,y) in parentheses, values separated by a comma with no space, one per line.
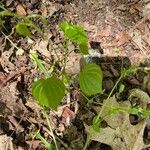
(120,30)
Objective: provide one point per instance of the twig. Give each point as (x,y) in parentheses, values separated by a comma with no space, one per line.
(10,40)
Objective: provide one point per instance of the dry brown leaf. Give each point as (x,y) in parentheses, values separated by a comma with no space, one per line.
(133,135)
(7,144)
(120,39)
(146,10)
(9,97)
(16,124)
(141,40)
(146,34)
(41,47)
(21,10)
(33,105)
(119,133)
(143,98)
(88,27)
(34,143)
(106,135)
(104,33)
(68,113)
(146,38)
(73,63)
(43,10)
(2,78)
(5,62)
(9,2)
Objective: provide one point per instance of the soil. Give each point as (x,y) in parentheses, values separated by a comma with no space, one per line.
(118,29)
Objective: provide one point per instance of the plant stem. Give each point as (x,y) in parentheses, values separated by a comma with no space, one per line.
(88,140)
(41,66)
(107,100)
(48,146)
(50,128)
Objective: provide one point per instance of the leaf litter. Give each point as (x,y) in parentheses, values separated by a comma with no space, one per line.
(120,133)
(110,30)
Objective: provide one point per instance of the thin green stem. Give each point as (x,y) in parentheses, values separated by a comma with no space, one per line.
(41,66)
(107,100)
(50,128)
(88,141)
(45,142)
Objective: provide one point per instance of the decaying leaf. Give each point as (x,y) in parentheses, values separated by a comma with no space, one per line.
(143,98)
(120,39)
(146,83)
(120,134)
(6,143)
(21,10)
(73,63)
(41,47)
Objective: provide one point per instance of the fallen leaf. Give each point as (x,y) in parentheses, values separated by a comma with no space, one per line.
(21,10)
(68,113)
(104,33)
(43,9)
(2,78)
(18,127)
(41,47)
(33,144)
(73,63)
(5,60)
(106,135)
(120,134)
(9,2)
(7,144)
(120,39)
(33,105)
(143,97)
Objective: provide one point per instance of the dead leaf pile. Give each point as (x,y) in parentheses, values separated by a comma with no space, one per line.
(6,143)
(120,134)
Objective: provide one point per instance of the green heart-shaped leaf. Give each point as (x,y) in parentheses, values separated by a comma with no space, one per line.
(22,29)
(49,92)
(91,79)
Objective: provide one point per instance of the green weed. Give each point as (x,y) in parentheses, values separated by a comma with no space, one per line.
(50,90)
(24,22)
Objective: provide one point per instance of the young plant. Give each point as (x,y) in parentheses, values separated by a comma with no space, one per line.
(24,22)
(51,90)
(131,110)
(90,77)
(76,34)
(44,141)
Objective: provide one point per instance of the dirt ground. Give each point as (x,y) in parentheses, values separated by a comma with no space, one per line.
(119,29)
